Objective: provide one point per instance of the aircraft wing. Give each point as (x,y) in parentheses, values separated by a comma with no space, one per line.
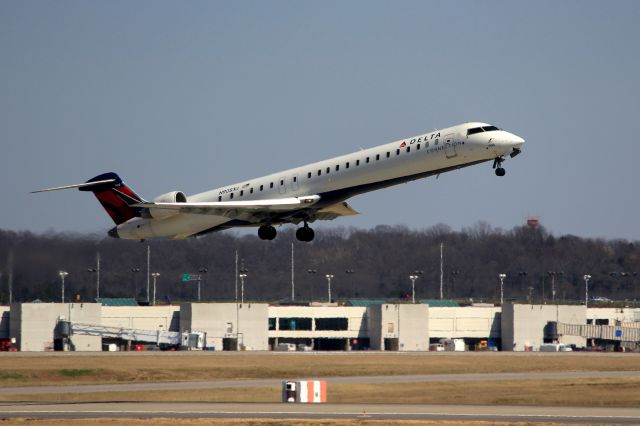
(335,210)
(236,209)
(255,210)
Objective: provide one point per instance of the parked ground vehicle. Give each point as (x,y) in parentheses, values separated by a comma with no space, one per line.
(8,345)
(554,347)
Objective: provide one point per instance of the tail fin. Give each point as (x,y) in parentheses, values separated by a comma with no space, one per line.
(114,195)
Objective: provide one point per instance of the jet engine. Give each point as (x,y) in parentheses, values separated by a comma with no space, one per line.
(169,197)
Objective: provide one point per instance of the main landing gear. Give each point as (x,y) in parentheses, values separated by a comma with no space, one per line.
(497,165)
(267,232)
(305,233)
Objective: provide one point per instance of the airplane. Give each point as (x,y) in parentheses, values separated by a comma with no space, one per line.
(316,191)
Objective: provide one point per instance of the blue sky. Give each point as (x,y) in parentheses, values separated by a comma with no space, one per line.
(194,95)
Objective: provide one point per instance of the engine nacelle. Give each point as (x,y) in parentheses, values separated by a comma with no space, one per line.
(169,197)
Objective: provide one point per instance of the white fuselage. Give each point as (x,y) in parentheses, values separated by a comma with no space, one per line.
(341,177)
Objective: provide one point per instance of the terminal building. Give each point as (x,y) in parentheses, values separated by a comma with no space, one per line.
(354,326)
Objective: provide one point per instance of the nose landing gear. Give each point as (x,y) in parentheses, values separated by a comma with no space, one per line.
(497,165)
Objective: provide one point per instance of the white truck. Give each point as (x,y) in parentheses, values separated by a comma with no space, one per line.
(554,347)
(453,345)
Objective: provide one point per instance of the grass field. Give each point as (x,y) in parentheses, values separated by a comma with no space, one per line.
(26,369)
(19,369)
(580,392)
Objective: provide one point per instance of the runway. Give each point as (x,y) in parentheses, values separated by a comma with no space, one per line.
(258,383)
(323,411)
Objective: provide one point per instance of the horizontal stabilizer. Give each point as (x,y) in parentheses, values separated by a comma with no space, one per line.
(77,185)
(116,197)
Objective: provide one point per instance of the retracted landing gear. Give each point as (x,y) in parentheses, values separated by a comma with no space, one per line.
(497,165)
(267,232)
(305,233)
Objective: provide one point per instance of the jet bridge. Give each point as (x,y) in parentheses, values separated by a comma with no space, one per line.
(625,332)
(194,340)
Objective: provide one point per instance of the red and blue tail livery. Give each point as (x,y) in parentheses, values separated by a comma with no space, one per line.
(116,197)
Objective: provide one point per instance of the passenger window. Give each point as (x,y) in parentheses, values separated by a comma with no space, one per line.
(271,185)
(251,191)
(377,157)
(408,149)
(435,142)
(295,178)
(281,182)
(242,193)
(357,162)
(426,144)
(346,165)
(309,175)
(397,151)
(388,154)
(231,196)
(261,187)
(367,160)
(337,167)
(319,172)
(418,147)
(220,198)
(328,169)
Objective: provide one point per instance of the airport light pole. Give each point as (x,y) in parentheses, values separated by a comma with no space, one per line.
(242,277)
(586,277)
(62,275)
(155,275)
(413,279)
(553,275)
(97,272)
(502,277)
(201,271)
(329,277)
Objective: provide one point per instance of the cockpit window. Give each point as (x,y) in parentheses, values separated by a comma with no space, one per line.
(474,131)
(490,128)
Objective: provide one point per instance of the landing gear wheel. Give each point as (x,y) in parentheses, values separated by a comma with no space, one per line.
(267,232)
(305,234)
(497,165)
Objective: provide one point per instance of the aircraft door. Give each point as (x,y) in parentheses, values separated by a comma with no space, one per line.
(449,146)
(282,186)
(294,183)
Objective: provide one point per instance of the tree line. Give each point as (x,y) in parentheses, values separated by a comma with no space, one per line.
(365,263)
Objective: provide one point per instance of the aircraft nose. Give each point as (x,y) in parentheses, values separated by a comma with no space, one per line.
(513,140)
(516,143)
(113,232)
